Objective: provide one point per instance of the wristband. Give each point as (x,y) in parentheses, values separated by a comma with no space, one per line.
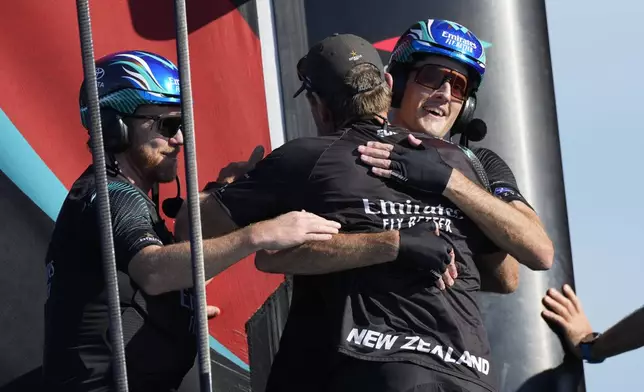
(586,346)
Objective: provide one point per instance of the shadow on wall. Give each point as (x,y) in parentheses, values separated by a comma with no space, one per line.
(154,20)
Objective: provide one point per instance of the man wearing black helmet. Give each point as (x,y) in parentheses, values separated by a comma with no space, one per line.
(365,312)
(141,118)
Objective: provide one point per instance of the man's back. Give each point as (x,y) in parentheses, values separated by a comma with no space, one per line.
(381,313)
(160,345)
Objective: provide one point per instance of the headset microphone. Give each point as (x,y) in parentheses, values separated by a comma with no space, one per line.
(172,205)
(475,131)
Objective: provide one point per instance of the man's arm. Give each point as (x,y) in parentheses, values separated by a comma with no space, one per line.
(520,233)
(514,228)
(159,269)
(499,272)
(420,247)
(624,336)
(565,310)
(342,252)
(156,267)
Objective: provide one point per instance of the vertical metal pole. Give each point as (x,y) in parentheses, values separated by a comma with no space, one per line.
(196,242)
(102,197)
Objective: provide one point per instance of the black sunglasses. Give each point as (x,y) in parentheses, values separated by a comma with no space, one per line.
(166,124)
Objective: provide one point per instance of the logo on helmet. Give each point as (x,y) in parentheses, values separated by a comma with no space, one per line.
(172,84)
(457,38)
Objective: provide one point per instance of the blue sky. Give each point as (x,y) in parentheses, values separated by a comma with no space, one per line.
(596,49)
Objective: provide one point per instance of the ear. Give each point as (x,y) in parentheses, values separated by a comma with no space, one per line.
(389,79)
(323,111)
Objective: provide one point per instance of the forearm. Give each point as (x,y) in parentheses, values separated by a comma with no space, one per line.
(342,252)
(507,227)
(169,268)
(624,336)
(499,273)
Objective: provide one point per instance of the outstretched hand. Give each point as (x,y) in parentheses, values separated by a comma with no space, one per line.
(565,311)
(421,168)
(292,229)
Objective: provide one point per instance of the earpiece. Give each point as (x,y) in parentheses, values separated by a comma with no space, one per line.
(399,74)
(465,116)
(115,132)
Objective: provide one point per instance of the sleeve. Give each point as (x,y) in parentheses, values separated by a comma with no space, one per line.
(502,182)
(273,187)
(131,223)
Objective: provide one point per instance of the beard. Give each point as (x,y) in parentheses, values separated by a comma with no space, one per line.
(155,166)
(166,171)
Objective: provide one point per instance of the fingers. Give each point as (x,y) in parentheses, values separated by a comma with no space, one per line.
(550,316)
(381,146)
(553,304)
(381,172)
(570,294)
(374,152)
(212,311)
(323,224)
(451,268)
(317,237)
(256,156)
(376,162)
(563,301)
(414,141)
(439,280)
(447,279)
(314,224)
(323,229)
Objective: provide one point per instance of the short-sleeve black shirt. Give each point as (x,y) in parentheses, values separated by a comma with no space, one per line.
(379,313)
(158,330)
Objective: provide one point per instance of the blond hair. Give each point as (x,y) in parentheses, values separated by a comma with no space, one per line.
(364,104)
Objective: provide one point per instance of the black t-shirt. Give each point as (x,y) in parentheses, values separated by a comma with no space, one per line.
(502,183)
(383,312)
(158,330)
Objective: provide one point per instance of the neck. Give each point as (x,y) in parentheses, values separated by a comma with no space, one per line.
(381,117)
(130,171)
(396,119)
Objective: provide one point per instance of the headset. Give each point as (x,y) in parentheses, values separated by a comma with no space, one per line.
(116,137)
